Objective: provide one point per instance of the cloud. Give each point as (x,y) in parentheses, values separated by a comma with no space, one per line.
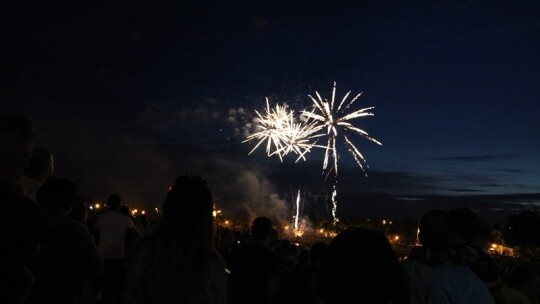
(465,190)
(394,182)
(160,115)
(476,158)
(243,123)
(473,179)
(403,182)
(512,171)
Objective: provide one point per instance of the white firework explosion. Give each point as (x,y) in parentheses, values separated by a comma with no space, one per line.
(282,133)
(337,122)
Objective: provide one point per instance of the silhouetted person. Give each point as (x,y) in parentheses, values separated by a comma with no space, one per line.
(68,257)
(433,278)
(466,251)
(361,267)
(143,224)
(79,213)
(522,286)
(112,228)
(177,263)
(39,169)
(125,210)
(286,253)
(131,236)
(21,220)
(301,283)
(256,274)
(316,254)
(300,280)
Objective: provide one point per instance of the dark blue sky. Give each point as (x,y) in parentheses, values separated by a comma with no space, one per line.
(129,95)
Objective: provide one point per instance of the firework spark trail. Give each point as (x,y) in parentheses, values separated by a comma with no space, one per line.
(334,203)
(332,119)
(297,216)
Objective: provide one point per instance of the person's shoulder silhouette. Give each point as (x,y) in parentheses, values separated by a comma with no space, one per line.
(21,221)
(257,270)
(360,263)
(68,257)
(431,274)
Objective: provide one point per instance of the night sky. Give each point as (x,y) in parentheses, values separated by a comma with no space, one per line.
(128,95)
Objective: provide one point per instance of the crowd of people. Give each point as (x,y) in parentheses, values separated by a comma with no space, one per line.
(52,252)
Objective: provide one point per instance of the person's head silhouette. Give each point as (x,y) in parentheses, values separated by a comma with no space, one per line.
(41,165)
(435,229)
(360,263)
(16,138)
(114,201)
(57,194)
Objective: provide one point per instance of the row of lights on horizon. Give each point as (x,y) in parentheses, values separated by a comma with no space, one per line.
(217,214)
(98,206)
(499,248)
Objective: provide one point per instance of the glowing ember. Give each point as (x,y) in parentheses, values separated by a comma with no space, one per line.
(298,232)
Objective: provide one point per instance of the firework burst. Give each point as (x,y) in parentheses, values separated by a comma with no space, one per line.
(336,122)
(282,133)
